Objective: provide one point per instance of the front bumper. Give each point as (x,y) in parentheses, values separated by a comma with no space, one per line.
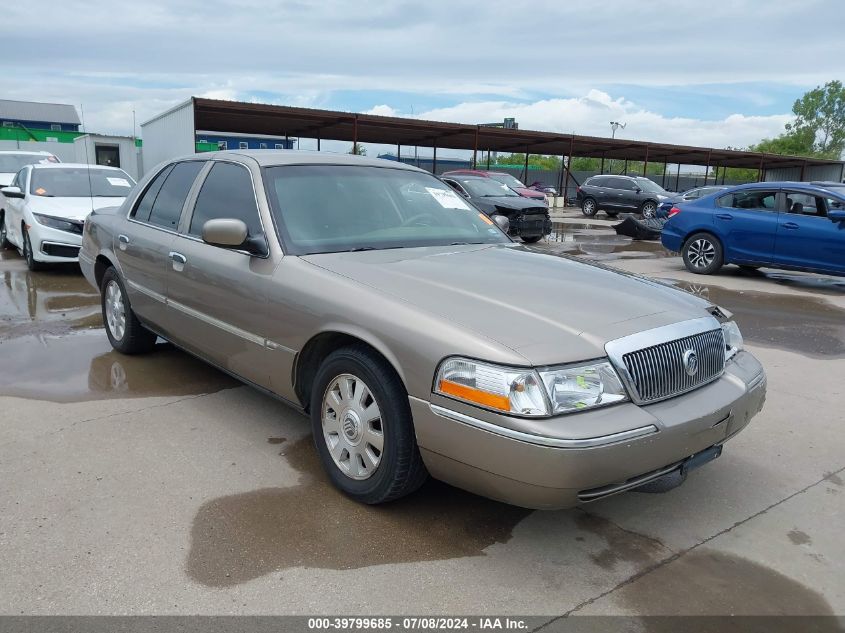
(51,245)
(560,468)
(531,225)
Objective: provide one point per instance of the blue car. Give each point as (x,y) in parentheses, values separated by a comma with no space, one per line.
(790,225)
(691,194)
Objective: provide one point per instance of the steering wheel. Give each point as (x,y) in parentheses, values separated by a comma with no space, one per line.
(419,216)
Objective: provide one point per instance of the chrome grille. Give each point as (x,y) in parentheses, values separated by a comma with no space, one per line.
(658,371)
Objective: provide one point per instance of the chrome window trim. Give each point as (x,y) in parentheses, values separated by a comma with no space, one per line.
(543,440)
(617,348)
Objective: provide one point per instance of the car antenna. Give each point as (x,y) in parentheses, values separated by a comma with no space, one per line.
(87,158)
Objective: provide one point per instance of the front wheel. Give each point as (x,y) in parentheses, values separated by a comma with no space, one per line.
(532,240)
(125,332)
(363,428)
(702,254)
(4,240)
(28,255)
(649,209)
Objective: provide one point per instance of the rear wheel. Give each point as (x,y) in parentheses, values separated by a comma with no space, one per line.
(363,428)
(589,207)
(125,332)
(611,214)
(702,254)
(532,240)
(649,209)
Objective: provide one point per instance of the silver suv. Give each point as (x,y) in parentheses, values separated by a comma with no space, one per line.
(414,333)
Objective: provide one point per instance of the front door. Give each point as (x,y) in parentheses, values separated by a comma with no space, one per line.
(805,237)
(142,249)
(217,296)
(747,222)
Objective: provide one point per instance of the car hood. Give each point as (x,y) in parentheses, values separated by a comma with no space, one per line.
(70,208)
(548,308)
(512,202)
(530,193)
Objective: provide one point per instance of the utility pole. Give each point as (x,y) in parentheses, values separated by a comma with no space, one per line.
(615,125)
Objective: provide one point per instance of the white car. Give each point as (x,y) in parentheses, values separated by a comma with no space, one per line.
(12,161)
(44,209)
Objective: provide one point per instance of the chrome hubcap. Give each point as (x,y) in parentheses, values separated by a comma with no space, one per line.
(648,211)
(115,311)
(352,426)
(701,253)
(589,206)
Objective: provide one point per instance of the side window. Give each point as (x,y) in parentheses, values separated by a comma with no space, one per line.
(601,181)
(171,198)
(621,183)
(145,204)
(752,200)
(695,194)
(454,185)
(226,193)
(803,204)
(19,180)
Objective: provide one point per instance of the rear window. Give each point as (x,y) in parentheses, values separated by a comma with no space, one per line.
(597,181)
(80,182)
(752,199)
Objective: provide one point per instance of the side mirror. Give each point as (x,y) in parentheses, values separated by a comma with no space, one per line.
(502,222)
(13,192)
(638,190)
(836,215)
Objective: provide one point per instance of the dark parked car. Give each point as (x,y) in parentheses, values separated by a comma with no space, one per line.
(616,194)
(528,220)
(543,188)
(691,194)
(791,225)
(502,177)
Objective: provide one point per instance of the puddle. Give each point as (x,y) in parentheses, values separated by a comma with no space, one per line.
(622,545)
(804,325)
(241,537)
(797,537)
(55,301)
(83,366)
(599,242)
(709,582)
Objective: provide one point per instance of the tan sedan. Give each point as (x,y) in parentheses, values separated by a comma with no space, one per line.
(415,334)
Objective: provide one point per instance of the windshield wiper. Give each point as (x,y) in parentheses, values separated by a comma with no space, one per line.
(358,249)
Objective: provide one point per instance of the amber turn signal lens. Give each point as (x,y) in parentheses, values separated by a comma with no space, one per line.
(475,395)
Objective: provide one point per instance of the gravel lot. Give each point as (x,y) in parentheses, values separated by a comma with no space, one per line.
(158,485)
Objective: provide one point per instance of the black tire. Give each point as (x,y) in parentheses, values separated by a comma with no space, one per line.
(648,209)
(28,255)
(611,214)
(400,469)
(532,240)
(135,338)
(589,207)
(703,254)
(749,268)
(4,241)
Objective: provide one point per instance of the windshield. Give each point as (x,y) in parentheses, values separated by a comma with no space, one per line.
(487,188)
(507,179)
(332,208)
(73,182)
(649,185)
(13,163)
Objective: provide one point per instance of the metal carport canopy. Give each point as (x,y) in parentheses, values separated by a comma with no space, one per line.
(257,118)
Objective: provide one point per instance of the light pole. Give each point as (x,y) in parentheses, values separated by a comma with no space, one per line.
(615,125)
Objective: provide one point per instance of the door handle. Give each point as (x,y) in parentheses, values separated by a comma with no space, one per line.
(789,225)
(724,216)
(179,261)
(123,241)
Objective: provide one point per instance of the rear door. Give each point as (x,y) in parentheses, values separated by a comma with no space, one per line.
(805,237)
(747,222)
(614,193)
(218,296)
(142,248)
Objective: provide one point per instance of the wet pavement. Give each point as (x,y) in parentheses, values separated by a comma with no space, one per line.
(156,484)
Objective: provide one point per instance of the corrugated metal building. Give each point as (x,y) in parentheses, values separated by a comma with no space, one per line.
(113,151)
(57,117)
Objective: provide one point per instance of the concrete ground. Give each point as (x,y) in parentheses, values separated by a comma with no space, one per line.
(156,485)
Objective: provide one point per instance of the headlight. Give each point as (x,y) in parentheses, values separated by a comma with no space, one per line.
(493,387)
(576,388)
(733,339)
(529,392)
(57,223)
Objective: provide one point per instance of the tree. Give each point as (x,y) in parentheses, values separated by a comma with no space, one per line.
(820,115)
(534,160)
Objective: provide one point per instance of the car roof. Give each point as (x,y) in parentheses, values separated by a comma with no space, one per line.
(278,157)
(26,152)
(73,166)
(465,176)
(469,172)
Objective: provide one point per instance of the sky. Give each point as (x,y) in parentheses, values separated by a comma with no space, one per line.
(721,74)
